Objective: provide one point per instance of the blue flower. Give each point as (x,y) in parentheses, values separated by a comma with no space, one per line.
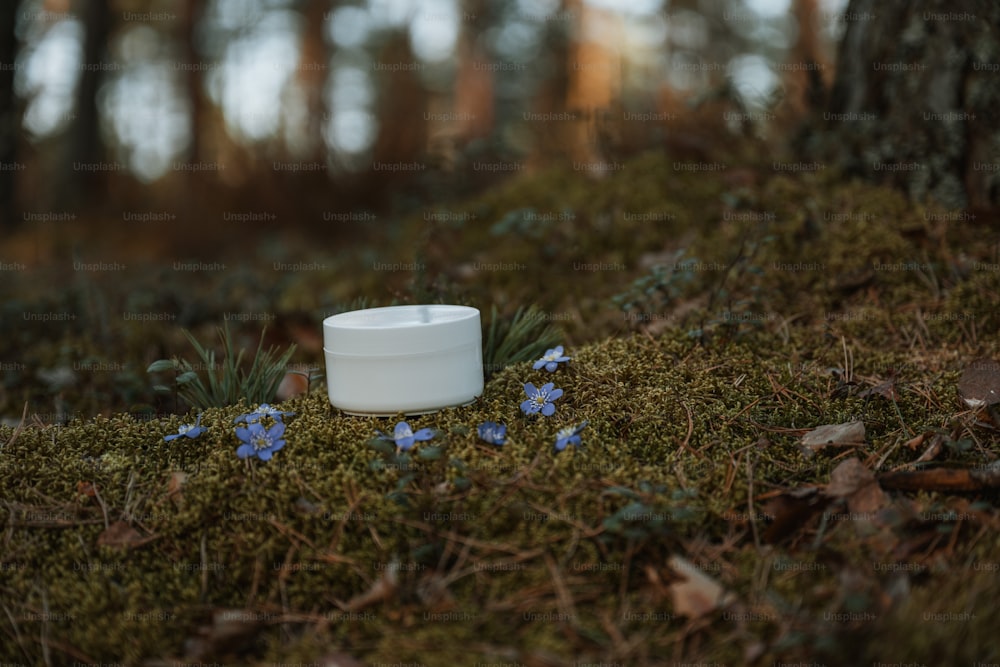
(552,359)
(190,430)
(260,442)
(540,400)
(493,433)
(404,437)
(263,410)
(569,436)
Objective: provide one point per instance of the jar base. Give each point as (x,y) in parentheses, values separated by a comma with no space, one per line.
(405,413)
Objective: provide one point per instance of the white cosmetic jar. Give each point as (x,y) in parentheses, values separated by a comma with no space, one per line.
(410,359)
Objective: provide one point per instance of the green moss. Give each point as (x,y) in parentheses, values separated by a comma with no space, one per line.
(530,549)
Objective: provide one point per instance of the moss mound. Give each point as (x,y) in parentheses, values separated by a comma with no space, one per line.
(710,326)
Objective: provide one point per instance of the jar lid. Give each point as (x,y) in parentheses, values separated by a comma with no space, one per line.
(402,330)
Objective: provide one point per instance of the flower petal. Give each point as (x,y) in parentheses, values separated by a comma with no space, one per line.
(539,364)
(530,389)
(244,451)
(172,436)
(423,434)
(405,443)
(555,393)
(243,433)
(264,455)
(195,432)
(276,431)
(548,409)
(528,407)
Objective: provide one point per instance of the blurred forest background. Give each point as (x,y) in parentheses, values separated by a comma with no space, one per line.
(189,160)
(294,108)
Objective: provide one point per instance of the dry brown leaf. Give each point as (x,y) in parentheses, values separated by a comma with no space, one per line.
(833,435)
(175,487)
(791,510)
(338,659)
(120,535)
(697,594)
(934,448)
(87,489)
(232,631)
(383,589)
(293,384)
(979,384)
(853,482)
(913,443)
(886,390)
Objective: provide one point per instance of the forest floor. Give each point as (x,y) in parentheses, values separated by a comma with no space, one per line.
(714,321)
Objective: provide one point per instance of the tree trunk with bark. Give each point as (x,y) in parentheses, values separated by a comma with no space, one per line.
(10,117)
(916,99)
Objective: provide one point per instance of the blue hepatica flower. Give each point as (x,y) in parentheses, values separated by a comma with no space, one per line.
(552,359)
(404,437)
(569,436)
(189,430)
(263,410)
(258,441)
(540,400)
(493,433)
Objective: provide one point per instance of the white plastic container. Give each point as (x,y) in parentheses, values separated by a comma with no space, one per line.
(410,359)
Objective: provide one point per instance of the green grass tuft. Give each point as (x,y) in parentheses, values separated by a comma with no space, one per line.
(228,382)
(524,337)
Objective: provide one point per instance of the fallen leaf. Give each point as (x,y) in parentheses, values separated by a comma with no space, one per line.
(979,384)
(885,389)
(384,588)
(232,631)
(120,535)
(175,487)
(86,489)
(934,448)
(696,594)
(915,442)
(791,510)
(338,659)
(838,435)
(293,384)
(853,482)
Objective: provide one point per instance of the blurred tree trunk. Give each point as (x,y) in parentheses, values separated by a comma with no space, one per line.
(10,118)
(86,146)
(312,73)
(916,99)
(402,130)
(195,88)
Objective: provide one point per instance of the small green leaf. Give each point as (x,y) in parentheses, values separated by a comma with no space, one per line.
(430,453)
(162,365)
(189,376)
(380,445)
(620,491)
(160,387)
(399,498)
(612,523)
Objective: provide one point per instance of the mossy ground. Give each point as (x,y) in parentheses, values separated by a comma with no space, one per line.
(696,397)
